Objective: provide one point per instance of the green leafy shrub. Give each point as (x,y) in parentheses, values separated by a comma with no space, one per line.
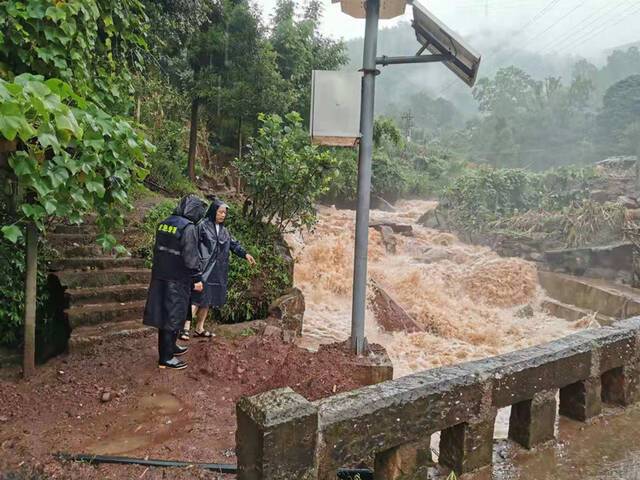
(284,174)
(253,288)
(71,156)
(485,194)
(485,198)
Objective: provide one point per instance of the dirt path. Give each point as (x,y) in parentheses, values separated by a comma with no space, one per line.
(173,415)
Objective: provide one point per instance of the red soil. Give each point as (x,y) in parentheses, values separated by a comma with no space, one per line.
(159,414)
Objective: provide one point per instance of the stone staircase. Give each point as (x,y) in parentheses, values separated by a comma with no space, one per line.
(574,297)
(103,296)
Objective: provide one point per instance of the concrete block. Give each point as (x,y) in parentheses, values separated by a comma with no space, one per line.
(276,436)
(533,421)
(468,446)
(581,400)
(410,461)
(620,385)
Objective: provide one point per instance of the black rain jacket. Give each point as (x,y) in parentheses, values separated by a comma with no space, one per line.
(177,265)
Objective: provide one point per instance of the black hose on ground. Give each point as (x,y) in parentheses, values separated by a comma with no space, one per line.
(342,474)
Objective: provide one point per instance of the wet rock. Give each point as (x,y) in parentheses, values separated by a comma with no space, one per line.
(525,312)
(288,310)
(436,218)
(271,330)
(105,397)
(379,203)
(288,336)
(435,254)
(388,313)
(400,228)
(602,196)
(388,239)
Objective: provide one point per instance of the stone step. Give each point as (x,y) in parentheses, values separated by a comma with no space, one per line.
(83,315)
(75,250)
(96,263)
(103,278)
(64,239)
(83,229)
(109,294)
(607,298)
(90,335)
(572,313)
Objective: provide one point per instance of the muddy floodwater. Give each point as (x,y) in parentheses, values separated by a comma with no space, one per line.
(605,449)
(471,303)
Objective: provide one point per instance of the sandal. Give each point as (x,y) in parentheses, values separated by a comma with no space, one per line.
(184,335)
(203,334)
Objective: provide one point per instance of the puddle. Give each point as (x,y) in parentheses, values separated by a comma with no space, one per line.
(155,419)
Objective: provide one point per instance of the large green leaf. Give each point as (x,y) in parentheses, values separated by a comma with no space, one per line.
(97,187)
(22,164)
(13,122)
(33,211)
(66,121)
(12,233)
(56,13)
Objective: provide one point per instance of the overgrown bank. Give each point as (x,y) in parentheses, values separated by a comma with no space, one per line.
(566,207)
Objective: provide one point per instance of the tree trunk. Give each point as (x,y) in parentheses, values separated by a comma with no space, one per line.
(29,365)
(138,108)
(193,139)
(239,150)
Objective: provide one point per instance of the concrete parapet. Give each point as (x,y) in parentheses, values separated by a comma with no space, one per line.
(391,422)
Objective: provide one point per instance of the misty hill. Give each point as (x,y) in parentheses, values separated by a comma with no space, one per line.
(399,86)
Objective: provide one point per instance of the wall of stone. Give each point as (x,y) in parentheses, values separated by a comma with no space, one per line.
(283,436)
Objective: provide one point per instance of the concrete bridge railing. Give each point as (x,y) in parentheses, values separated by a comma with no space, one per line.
(283,436)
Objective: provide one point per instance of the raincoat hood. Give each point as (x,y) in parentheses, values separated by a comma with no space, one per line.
(191,208)
(213,209)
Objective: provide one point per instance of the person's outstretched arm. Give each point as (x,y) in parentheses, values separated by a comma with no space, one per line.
(237,249)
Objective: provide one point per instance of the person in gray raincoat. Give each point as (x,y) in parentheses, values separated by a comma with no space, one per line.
(176,271)
(215,244)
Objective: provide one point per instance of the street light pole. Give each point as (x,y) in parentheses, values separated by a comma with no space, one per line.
(364,176)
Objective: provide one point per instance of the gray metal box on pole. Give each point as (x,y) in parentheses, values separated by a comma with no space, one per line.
(335,108)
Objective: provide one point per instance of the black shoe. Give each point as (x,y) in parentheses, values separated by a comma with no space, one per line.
(174,364)
(179,351)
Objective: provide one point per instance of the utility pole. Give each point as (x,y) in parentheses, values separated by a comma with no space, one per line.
(407,123)
(369,71)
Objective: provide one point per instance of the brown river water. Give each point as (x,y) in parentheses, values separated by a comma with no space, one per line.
(470,302)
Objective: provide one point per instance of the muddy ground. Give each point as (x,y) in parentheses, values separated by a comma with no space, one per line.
(113,400)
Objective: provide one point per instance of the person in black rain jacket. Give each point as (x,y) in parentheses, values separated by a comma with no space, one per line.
(215,244)
(177,269)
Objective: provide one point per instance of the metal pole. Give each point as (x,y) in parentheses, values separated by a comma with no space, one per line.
(364,176)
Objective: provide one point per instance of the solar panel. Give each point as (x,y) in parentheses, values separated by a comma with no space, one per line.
(438,39)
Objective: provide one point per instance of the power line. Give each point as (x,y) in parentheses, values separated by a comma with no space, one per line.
(624,16)
(546,9)
(581,27)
